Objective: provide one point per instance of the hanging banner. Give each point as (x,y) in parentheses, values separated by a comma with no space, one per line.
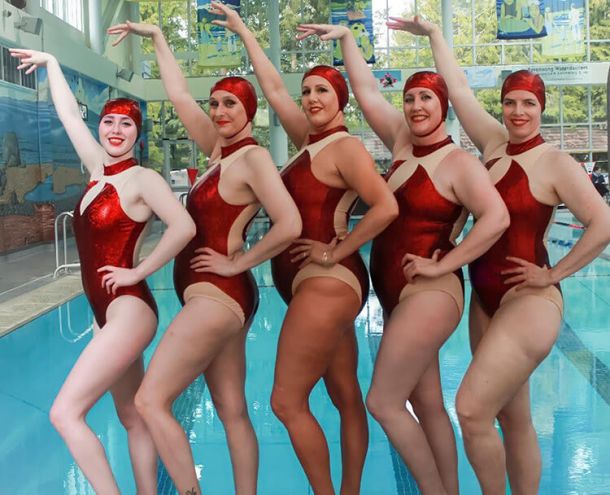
(520,19)
(564,23)
(358,16)
(218,47)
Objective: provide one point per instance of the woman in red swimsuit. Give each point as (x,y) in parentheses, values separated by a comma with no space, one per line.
(516,305)
(212,274)
(416,267)
(322,277)
(109,223)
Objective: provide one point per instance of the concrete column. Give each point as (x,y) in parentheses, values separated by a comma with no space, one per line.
(96,28)
(278,138)
(453,125)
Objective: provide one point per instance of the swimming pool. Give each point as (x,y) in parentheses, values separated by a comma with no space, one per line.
(570,399)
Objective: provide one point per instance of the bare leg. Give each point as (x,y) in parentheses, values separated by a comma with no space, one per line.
(141,447)
(342,385)
(428,405)
(318,316)
(519,336)
(112,351)
(187,348)
(523,459)
(412,337)
(225,378)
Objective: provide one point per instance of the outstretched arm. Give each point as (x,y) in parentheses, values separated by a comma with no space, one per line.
(484,130)
(195,120)
(88,149)
(387,121)
(292,118)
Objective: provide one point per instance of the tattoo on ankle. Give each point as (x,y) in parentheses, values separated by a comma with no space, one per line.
(192,491)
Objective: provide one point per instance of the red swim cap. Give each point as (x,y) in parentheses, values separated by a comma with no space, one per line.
(527,81)
(242,89)
(124,106)
(336,80)
(432,81)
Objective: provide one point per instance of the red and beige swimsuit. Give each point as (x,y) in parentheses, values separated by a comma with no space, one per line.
(325,212)
(222,227)
(427,221)
(511,168)
(106,235)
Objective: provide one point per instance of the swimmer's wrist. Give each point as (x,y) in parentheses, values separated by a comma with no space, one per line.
(554,278)
(328,257)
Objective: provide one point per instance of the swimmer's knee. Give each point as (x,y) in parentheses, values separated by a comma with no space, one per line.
(63,417)
(231,411)
(285,406)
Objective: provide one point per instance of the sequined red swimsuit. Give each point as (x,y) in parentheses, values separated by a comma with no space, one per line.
(318,205)
(524,238)
(425,223)
(214,218)
(105,235)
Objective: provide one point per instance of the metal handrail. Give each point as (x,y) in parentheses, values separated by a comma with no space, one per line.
(71,336)
(63,218)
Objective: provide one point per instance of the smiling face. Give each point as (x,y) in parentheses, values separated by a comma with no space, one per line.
(422,110)
(522,114)
(118,135)
(227,113)
(320,102)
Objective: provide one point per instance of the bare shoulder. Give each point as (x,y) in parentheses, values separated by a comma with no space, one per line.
(349,144)
(258,158)
(461,161)
(559,163)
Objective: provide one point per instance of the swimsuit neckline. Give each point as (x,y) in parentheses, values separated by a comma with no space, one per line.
(232,148)
(314,138)
(117,168)
(518,148)
(419,150)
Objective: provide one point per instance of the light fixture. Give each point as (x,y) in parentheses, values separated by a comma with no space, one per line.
(125,74)
(28,24)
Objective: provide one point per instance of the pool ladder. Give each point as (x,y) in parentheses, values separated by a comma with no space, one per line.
(65,266)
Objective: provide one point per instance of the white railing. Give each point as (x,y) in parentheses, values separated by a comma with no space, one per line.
(65,329)
(63,219)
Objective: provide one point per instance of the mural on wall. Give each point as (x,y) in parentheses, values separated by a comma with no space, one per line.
(40,173)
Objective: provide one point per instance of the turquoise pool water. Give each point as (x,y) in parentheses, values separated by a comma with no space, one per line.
(570,392)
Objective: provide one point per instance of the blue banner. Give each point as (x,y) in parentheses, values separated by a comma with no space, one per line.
(358,16)
(218,47)
(520,19)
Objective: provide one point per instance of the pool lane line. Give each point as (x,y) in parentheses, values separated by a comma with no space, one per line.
(586,362)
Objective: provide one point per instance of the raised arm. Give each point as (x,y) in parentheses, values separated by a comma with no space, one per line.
(292,118)
(195,120)
(88,149)
(385,120)
(484,130)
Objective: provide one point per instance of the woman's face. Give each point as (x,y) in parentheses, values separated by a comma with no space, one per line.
(422,110)
(319,100)
(522,115)
(227,113)
(118,134)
